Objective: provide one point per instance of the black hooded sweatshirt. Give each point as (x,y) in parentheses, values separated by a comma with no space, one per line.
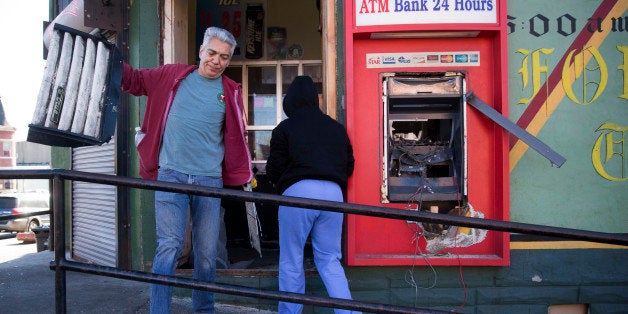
(309,144)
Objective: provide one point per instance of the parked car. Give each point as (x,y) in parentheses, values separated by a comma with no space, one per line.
(23,203)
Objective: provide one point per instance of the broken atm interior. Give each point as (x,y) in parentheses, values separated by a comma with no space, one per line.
(424,146)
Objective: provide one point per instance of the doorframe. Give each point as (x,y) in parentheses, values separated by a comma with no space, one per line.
(329,56)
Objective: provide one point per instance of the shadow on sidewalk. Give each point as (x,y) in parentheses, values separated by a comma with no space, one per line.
(28,286)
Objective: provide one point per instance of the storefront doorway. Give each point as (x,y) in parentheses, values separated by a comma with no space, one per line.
(277,40)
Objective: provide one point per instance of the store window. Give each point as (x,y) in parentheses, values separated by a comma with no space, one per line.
(264,84)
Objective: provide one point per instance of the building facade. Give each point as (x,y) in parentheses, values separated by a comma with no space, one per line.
(8,158)
(559,72)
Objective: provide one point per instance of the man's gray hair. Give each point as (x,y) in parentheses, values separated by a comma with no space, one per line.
(220,34)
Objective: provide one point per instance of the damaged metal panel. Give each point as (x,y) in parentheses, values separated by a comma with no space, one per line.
(555,158)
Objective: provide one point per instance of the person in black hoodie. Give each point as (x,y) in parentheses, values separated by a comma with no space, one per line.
(310,156)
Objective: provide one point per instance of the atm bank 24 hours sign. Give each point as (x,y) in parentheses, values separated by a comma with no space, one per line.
(396,12)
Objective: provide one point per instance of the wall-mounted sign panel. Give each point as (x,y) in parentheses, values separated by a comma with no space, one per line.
(423,59)
(399,12)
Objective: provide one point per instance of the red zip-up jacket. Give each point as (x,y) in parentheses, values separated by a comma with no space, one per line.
(160,85)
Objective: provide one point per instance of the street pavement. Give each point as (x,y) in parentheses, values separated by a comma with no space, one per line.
(27,286)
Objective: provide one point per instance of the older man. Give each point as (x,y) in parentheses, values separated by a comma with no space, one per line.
(194,133)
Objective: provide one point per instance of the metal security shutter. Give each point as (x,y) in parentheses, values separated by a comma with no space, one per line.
(94,227)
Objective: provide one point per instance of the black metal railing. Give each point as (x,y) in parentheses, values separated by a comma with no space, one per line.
(60,264)
(16,216)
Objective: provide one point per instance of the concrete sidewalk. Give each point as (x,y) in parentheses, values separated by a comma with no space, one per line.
(27,286)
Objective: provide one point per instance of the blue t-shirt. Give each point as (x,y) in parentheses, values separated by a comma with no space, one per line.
(193,139)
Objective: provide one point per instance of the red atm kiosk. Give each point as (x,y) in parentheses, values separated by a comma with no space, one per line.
(419,145)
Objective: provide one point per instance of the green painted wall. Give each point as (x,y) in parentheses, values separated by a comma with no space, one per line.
(144,37)
(575,195)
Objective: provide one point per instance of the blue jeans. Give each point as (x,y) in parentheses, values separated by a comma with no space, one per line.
(171,211)
(295,224)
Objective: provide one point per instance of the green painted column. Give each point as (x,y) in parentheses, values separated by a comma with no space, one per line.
(144,51)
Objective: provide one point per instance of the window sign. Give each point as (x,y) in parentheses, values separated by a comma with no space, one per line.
(223,14)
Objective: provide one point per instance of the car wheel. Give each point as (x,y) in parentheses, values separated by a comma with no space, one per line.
(32,224)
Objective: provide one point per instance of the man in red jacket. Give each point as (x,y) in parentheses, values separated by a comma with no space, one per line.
(193,133)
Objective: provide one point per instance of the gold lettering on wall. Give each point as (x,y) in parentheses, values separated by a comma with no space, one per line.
(538,67)
(607,147)
(624,68)
(575,67)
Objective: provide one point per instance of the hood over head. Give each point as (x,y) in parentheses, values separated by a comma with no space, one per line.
(301,94)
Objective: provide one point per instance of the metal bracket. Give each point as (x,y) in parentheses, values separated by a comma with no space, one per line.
(556,159)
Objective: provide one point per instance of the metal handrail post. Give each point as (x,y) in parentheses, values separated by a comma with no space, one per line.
(51,237)
(58,207)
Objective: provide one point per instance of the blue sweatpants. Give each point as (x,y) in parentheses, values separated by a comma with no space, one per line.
(295,224)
